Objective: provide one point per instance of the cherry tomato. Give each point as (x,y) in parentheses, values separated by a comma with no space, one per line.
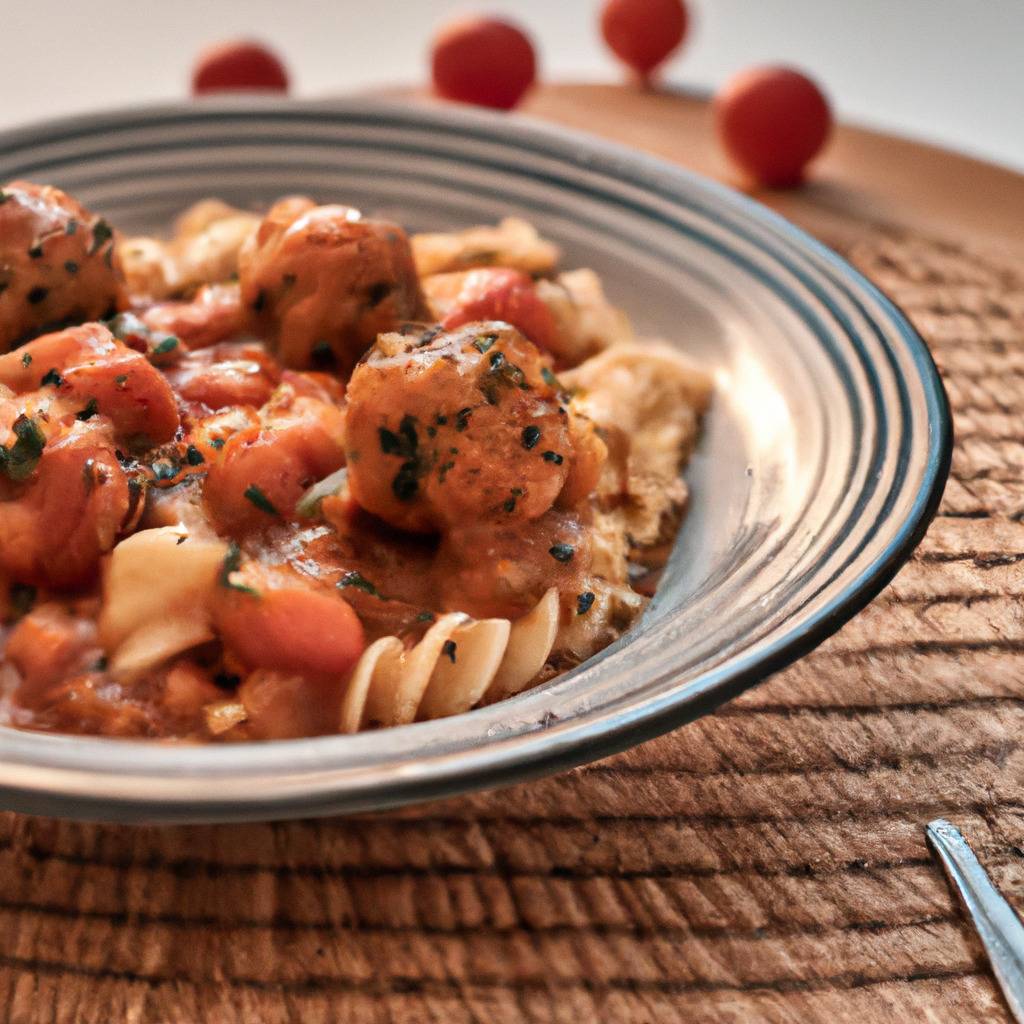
(642,33)
(291,629)
(498,293)
(229,67)
(772,121)
(483,61)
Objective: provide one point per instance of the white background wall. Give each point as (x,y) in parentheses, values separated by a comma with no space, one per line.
(950,71)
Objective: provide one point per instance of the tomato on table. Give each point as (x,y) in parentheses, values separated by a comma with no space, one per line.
(484,61)
(230,66)
(772,122)
(643,33)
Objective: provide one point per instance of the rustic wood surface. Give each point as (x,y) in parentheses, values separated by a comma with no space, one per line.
(765,863)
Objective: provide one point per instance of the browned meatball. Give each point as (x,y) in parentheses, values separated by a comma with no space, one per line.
(57,263)
(321,283)
(460,427)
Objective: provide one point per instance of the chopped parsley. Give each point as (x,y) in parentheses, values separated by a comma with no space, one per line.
(91,408)
(405,445)
(502,374)
(531,435)
(72,227)
(18,462)
(36,252)
(101,234)
(26,359)
(51,377)
(218,443)
(71,266)
(584,602)
(550,379)
(425,617)
(127,326)
(484,342)
(449,649)
(462,419)
(562,552)
(553,457)
(169,344)
(232,563)
(509,504)
(121,380)
(193,456)
(260,500)
(359,581)
(37,294)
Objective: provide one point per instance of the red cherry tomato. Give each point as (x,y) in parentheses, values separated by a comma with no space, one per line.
(483,61)
(642,33)
(772,121)
(229,67)
(498,293)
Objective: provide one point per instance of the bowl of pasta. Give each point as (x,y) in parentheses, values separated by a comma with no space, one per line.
(356,454)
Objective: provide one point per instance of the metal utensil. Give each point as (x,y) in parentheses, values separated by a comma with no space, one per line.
(1000,929)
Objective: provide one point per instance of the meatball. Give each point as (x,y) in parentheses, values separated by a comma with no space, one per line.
(58,524)
(461,426)
(57,263)
(321,282)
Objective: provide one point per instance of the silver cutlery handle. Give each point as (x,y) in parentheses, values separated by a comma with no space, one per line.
(1000,929)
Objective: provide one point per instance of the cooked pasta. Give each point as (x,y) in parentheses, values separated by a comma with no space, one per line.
(299,473)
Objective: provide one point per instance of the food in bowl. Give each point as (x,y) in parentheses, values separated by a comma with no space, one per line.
(300,473)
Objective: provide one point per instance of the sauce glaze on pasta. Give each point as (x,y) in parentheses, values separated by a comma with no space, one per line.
(300,474)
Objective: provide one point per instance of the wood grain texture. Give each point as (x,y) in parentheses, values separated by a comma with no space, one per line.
(766,863)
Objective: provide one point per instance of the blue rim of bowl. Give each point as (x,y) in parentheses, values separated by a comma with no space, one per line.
(480,767)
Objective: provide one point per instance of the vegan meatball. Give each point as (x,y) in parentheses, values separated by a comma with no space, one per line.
(321,282)
(58,265)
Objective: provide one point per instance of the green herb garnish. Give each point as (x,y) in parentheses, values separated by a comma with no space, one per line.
(37,294)
(18,462)
(71,266)
(90,410)
(562,552)
(232,563)
(193,456)
(484,342)
(26,359)
(51,378)
(531,435)
(584,602)
(449,649)
(169,344)
(101,234)
(359,581)
(553,457)
(260,500)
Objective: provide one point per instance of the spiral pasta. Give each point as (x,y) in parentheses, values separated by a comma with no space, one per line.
(459,662)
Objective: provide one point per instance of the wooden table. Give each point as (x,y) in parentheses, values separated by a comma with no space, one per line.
(764,863)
